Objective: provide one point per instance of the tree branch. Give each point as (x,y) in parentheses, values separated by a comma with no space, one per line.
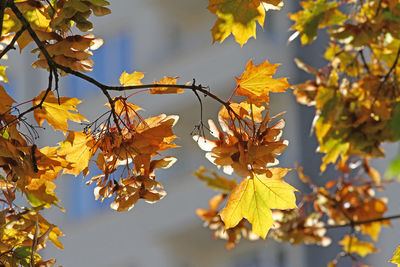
(105,88)
(396,60)
(36,106)
(364,61)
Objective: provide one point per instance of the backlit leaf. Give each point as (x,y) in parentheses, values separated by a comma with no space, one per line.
(353,245)
(256,82)
(166,90)
(254,198)
(236,17)
(134,78)
(396,257)
(57,111)
(78,148)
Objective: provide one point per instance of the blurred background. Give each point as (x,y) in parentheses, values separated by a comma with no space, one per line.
(173,38)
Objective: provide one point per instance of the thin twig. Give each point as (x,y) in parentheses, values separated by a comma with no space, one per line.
(364,61)
(105,88)
(35,106)
(396,60)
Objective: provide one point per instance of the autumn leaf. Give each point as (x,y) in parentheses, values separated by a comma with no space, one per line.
(132,79)
(236,17)
(246,109)
(256,82)
(254,198)
(3,77)
(315,14)
(396,257)
(5,101)
(78,148)
(353,245)
(166,90)
(57,111)
(215,181)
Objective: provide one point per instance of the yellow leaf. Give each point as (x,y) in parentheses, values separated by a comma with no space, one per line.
(254,198)
(353,245)
(57,111)
(127,79)
(78,148)
(166,90)
(42,192)
(3,77)
(236,17)
(256,82)
(396,257)
(244,109)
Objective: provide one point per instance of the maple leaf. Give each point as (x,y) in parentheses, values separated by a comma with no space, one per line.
(316,14)
(353,245)
(245,109)
(132,79)
(40,192)
(254,198)
(396,257)
(3,77)
(5,101)
(214,222)
(166,90)
(57,111)
(78,148)
(215,181)
(236,17)
(238,152)
(256,82)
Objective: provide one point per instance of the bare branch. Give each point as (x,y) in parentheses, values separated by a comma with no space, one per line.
(104,88)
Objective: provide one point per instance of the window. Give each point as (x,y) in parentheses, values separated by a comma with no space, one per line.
(110,60)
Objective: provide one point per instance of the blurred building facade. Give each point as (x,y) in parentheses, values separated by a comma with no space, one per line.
(171,38)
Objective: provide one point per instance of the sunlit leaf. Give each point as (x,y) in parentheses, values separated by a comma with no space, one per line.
(256,82)
(134,78)
(254,198)
(57,111)
(353,245)
(396,257)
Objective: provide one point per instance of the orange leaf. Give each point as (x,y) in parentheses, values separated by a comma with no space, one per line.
(166,90)
(5,101)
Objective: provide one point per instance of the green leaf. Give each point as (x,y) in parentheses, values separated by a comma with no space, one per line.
(316,14)
(394,168)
